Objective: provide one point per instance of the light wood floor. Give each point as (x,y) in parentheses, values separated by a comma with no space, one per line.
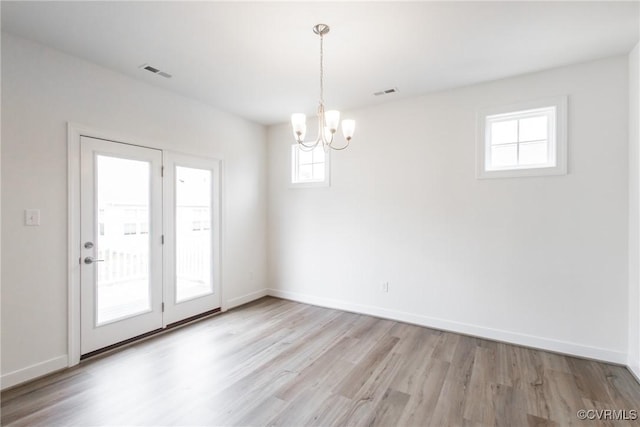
(276,362)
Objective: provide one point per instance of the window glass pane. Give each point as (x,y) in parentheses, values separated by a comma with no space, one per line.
(504,132)
(308,166)
(305,172)
(318,154)
(304,157)
(318,171)
(533,129)
(193,242)
(527,138)
(122,283)
(533,153)
(504,155)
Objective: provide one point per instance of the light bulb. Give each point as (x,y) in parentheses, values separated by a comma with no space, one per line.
(348,128)
(300,133)
(298,122)
(332,118)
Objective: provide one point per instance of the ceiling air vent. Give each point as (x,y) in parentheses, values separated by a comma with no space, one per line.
(386,91)
(154,70)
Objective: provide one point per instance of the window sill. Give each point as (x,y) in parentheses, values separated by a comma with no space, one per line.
(317,184)
(518,173)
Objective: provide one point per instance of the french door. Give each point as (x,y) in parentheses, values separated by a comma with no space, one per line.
(138,271)
(192,249)
(121,242)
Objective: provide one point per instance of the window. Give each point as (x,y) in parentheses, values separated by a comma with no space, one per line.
(309,167)
(527,139)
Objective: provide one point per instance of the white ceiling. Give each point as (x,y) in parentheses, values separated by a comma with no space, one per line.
(260,60)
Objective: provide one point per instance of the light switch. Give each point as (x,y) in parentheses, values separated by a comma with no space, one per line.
(32,217)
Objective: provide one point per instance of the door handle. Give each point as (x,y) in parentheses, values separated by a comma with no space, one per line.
(91,260)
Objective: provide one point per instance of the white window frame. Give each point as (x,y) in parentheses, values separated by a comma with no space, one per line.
(295,163)
(557,138)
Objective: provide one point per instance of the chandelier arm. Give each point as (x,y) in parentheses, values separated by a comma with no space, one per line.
(340,148)
(330,141)
(309,147)
(324,139)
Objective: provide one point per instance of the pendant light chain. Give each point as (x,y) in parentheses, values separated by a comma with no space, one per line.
(321,69)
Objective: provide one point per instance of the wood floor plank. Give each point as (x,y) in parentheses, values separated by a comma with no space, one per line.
(298,410)
(446,345)
(554,361)
(277,362)
(316,372)
(508,406)
(368,337)
(329,411)
(529,379)
(424,394)
(454,394)
(389,409)
(585,373)
(562,396)
(478,405)
(621,386)
(533,421)
(363,370)
(416,348)
(373,392)
(506,365)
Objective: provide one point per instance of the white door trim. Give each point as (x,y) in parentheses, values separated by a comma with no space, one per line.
(73,237)
(74,132)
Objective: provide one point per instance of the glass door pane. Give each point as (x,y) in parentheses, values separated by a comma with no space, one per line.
(122,242)
(193,233)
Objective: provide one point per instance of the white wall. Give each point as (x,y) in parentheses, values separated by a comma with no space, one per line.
(0,213)
(538,261)
(42,89)
(634,212)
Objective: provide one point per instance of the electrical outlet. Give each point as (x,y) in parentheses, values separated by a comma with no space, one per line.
(384,287)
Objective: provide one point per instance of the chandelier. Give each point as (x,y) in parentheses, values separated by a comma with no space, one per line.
(328,121)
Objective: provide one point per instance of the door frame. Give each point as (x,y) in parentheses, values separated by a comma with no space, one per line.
(74,132)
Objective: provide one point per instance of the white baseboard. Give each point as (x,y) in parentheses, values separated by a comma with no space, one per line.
(234,302)
(32,372)
(549,344)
